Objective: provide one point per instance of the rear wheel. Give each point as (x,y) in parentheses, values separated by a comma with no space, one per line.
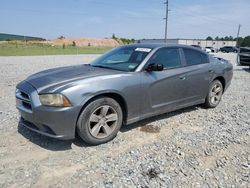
(214,95)
(100,121)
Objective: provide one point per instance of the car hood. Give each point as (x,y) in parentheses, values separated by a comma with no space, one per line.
(58,76)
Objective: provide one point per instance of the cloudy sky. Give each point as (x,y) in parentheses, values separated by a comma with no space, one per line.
(131,18)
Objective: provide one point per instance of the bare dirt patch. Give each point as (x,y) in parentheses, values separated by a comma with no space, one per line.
(193,147)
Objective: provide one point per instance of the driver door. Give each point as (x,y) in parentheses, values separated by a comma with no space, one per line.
(165,90)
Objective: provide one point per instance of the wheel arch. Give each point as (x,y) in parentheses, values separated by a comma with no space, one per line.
(222,80)
(114,95)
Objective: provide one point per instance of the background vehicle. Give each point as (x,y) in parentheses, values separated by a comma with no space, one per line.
(207,50)
(125,85)
(212,49)
(197,46)
(244,56)
(228,49)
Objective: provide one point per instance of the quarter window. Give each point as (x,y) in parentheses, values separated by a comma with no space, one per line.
(194,57)
(168,57)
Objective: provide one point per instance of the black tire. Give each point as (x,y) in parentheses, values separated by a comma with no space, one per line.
(209,103)
(84,129)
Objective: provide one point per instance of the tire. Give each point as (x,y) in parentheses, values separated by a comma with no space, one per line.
(214,95)
(100,121)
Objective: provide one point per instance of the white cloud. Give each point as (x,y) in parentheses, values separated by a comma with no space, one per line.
(201,20)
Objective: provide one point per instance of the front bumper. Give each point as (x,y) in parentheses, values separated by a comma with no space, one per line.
(54,122)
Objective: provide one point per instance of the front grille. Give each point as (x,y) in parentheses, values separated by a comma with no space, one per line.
(25,95)
(24,99)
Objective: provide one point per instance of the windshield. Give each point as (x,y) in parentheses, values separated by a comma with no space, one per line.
(124,58)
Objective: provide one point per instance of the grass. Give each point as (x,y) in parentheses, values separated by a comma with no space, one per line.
(12,49)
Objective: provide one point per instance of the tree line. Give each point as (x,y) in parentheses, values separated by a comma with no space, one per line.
(123,40)
(242,41)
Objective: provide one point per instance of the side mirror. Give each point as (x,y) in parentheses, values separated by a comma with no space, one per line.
(154,67)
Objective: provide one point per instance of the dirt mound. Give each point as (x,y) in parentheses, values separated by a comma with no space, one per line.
(85,42)
(81,42)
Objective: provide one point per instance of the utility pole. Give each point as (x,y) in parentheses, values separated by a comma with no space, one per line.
(238,45)
(166,24)
(238,34)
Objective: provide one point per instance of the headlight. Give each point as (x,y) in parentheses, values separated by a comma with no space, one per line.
(57,100)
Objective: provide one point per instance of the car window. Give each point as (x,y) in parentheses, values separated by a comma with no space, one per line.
(168,57)
(125,58)
(194,57)
(122,56)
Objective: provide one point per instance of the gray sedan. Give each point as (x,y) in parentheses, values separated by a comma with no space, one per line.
(123,86)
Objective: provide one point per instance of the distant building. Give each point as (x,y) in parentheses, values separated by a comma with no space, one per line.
(201,42)
(9,37)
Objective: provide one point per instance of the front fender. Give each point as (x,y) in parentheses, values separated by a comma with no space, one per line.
(90,96)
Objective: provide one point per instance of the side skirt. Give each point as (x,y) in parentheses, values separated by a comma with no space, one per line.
(131,121)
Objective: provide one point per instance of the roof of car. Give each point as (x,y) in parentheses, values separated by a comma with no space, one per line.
(229,47)
(158,45)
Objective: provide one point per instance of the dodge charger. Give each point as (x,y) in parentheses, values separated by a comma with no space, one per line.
(123,86)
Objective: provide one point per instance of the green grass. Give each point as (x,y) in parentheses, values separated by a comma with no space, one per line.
(12,49)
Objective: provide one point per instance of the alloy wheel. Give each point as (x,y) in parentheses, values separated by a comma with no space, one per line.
(103,121)
(215,94)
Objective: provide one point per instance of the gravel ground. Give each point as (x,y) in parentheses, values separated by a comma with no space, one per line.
(194,147)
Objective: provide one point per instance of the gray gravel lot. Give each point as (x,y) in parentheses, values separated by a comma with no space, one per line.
(194,147)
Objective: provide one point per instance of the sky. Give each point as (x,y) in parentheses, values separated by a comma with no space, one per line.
(136,19)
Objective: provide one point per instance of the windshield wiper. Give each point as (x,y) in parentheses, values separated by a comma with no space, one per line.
(101,66)
(107,67)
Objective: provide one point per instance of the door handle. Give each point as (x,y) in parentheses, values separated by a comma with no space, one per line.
(183,77)
(211,70)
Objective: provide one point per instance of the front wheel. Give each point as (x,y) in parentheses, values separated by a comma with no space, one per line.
(100,121)
(214,95)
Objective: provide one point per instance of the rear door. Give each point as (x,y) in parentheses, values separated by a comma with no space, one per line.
(199,73)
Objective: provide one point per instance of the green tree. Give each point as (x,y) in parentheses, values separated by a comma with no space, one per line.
(246,41)
(61,37)
(240,40)
(209,38)
(230,38)
(113,36)
(226,38)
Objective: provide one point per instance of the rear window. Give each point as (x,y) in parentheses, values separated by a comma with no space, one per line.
(194,57)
